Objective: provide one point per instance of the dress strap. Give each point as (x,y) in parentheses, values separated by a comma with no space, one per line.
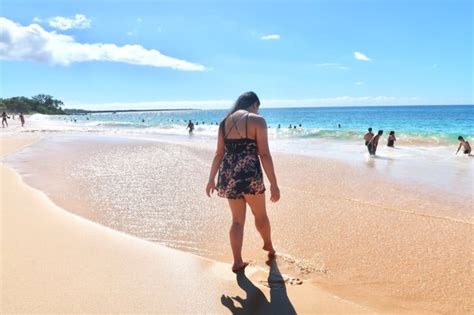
(234,125)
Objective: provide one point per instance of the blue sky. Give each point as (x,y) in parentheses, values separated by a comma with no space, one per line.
(205,53)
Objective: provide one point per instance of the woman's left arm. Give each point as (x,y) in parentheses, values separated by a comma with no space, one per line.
(215,164)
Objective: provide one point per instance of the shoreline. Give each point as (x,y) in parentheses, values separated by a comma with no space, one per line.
(55,261)
(356,202)
(436,167)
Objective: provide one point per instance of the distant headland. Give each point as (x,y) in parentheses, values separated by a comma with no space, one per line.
(48,105)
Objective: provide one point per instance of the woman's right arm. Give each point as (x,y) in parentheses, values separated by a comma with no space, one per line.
(215,164)
(266,158)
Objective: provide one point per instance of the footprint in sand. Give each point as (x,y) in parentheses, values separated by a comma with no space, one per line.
(295,281)
(280,283)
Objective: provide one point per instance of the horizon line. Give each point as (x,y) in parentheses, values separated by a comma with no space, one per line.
(98,111)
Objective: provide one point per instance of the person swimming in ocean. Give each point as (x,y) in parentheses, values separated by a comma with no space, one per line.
(374,142)
(464,144)
(242,143)
(190,126)
(391,139)
(4,119)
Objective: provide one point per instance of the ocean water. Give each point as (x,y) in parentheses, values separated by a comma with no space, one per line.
(414,125)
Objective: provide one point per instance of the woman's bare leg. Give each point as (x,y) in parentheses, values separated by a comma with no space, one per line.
(259,210)
(236,233)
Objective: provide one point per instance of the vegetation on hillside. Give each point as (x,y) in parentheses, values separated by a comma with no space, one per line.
(43,104)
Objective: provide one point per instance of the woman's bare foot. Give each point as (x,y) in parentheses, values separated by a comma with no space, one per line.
(238,267)
(269,248)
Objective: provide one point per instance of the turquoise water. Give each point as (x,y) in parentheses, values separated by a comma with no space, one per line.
(430,125)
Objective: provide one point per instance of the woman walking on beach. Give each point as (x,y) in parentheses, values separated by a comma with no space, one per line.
(242,138)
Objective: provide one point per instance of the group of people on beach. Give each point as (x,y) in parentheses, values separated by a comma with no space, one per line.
(372,140)
(5,117)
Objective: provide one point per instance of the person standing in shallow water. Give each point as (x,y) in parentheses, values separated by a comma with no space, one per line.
(391,139)
(190,126)
(374,143)
(463,143)
(4,119)
(367,137)
(242,138)
(22,120)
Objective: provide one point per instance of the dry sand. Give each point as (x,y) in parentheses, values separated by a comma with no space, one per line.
(53,261)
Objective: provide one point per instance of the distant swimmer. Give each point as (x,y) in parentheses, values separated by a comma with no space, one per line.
(22,119)
(279,126)
(338,125)
(294,127)
(463,143)
(374,142)
(4,119)
(143,120)
(300,125)
(290,126)
(391,139)
(190,126)
(197,123)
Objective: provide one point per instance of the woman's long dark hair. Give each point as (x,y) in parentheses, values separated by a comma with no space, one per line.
(244,101)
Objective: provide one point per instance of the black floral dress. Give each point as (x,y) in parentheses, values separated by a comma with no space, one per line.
(240,172)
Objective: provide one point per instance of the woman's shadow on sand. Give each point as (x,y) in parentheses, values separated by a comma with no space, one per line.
(256,302)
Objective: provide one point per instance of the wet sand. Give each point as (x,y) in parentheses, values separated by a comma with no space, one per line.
(383,244)
(57,262)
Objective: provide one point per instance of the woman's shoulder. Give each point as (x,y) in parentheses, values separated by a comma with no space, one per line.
(257,121)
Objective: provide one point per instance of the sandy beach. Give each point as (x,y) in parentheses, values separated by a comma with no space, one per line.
(392,248)
(57,262)
(322,150)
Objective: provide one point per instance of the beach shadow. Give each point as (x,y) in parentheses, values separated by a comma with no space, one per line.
(255,301)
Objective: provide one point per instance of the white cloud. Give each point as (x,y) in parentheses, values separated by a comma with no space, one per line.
(269,103)
(332,65)
(37,19)
(270,37)
(361,56)
(66,23)
(359,83)
(33,43)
